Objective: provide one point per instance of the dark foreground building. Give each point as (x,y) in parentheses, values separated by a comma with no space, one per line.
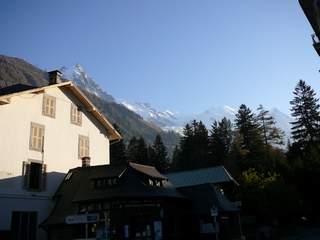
(211,214)
(135,202)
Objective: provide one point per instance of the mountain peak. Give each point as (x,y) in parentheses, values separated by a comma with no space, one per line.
(80,77)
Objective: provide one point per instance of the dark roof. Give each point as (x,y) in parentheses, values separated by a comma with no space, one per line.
(148,170)
(206,196)
(311,10)
(200,176)
(15,88)
(79,188)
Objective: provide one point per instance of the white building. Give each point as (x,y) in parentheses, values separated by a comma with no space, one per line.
(44,132)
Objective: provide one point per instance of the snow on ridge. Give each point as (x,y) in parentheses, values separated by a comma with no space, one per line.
(174,121)
(129,106)
(230,109)
(80,77)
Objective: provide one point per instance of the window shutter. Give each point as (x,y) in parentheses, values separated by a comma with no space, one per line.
(80,147)
(44,105)
(86,147)
(44,177)
(71,114)
(79,116)
(51,107)
(26,174)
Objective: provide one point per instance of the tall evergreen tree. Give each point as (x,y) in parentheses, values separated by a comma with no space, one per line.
(186,146)
(271,133)
(305,109)
(304,152)
(201,145)
(175,159)
(221,135)
(118,151)
(137,151)
(248,128)
(159,155)
(193,147)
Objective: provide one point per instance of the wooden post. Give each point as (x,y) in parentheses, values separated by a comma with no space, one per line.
(86,231)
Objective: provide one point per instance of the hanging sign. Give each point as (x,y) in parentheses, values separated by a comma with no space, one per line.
(82,218)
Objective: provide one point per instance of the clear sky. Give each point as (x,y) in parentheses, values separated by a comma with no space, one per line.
(184,55)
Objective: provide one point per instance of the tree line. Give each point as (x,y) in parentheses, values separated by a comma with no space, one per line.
(278,177)
(138,151)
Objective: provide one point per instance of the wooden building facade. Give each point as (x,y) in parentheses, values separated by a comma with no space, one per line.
(137,202)
(114,202)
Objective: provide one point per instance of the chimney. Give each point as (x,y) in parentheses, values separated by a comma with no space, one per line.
(55,77)
(85,161)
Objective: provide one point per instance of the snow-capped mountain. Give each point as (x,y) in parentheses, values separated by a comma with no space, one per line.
(171,120)
(167,119)
(161,118)
(78,75)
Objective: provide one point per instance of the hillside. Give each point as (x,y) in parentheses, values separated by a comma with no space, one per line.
(15,70)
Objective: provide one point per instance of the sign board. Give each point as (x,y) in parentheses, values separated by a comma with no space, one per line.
(82,218)
(157,225)
(207,228)
(214,212)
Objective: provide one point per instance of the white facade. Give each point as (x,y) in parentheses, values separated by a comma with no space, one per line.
(60,149)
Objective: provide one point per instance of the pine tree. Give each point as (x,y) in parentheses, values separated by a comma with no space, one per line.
(132,149)
(220,140)
(159,155)
(305,110)
(193,147)
(137,151)
(186,147)
(304,152)
(248,128)
(201,145)
(175,159)
(271,133)
(118,151)
(249,136)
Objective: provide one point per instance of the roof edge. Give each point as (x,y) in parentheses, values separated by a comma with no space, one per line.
(112,133)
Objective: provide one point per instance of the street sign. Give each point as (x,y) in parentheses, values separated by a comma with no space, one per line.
(214,212)
(82,218)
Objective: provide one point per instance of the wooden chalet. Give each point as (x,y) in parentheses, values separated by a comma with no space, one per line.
(116,202)
(137,202)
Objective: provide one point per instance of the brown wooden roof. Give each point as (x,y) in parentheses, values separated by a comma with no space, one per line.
(79,188)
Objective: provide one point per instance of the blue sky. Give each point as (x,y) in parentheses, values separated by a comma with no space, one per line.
(184,55)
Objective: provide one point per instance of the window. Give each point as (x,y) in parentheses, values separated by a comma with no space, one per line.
(154,182)
(75,115)
(102,183)
(36,137)
(49,106)
(83,146)
(68,176)
(23,225)
(34,174)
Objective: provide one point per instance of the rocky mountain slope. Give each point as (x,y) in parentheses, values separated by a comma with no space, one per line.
(16,70)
